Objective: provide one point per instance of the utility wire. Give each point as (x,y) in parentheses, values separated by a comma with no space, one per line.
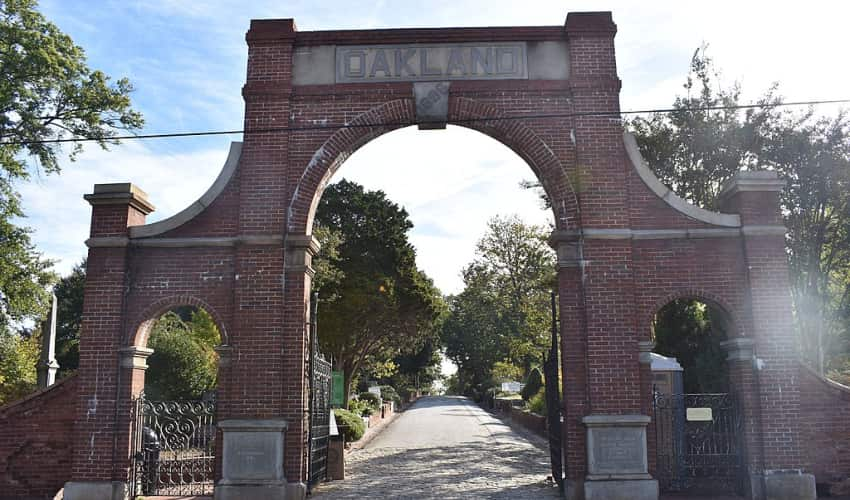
(408,123)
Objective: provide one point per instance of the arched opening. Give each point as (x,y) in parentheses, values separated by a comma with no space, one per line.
(174,416)
(442,190)
(697,414)
(691,331)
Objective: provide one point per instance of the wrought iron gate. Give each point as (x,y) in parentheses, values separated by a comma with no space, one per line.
(320,405)
(175,447)
(698,443)
(553,402)
(320,418)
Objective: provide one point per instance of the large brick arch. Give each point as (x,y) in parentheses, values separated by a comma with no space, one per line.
(465,112)
(626,245)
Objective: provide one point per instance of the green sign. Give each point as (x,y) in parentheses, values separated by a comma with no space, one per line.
(337,383)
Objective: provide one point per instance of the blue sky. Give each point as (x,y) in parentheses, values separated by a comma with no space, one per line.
(187,60)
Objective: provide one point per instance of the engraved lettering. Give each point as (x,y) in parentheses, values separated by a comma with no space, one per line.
(456,62)
(402,61)
(355,64)
(438,62)
(380,64)
(506,60)
(424,70)
(482,58)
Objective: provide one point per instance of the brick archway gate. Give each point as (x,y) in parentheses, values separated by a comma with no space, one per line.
(625,245)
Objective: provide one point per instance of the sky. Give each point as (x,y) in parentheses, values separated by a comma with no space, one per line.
(187,62)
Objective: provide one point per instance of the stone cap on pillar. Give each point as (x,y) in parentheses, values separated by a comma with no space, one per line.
(122,193)
(135,357)
(754,195)
(738,349)
(594,23)
(751,180)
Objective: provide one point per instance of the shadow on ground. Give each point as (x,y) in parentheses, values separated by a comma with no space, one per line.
(471,470)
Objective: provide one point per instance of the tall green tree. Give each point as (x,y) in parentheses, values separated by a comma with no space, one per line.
(377,303)
(694,150)
(502,315)
(47,92)
(69,296)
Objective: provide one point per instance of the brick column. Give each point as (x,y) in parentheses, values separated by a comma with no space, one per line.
(755,196)
(573,360)
(101,432)
(742,379)
(614,402)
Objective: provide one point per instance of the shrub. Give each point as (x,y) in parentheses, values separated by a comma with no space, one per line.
(373,399)
(388,392)
(537,403)
(532,384)
(350,425)
(363,408)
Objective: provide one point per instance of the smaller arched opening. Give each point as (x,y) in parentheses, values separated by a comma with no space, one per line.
(697,426)
(175,393)
(689,332)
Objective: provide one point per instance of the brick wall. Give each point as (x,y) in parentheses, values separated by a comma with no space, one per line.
(825,418)
(36,442)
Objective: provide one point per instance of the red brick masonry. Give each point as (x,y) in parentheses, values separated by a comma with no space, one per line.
(35,442)
(825,409)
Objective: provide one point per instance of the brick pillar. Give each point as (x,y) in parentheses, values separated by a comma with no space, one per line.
(573,359)
(101,432)
(743,385)
(755,196)
(613,416)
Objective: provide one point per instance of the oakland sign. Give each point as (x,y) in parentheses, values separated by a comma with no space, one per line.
(401,63)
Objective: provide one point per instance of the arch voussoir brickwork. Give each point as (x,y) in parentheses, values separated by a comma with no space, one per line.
(701,295)
(139,332)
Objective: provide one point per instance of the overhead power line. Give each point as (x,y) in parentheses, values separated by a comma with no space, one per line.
(335,126)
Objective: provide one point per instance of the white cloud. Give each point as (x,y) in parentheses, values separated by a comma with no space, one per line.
(451,182)
(60,217)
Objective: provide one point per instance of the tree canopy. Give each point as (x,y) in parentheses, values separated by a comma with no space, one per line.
(693,150)
(500,322)
(374,303)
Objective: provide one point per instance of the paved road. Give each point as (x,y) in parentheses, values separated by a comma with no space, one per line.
(445,447)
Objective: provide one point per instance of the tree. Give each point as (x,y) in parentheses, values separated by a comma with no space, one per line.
(691,332)
(377,304)
(18,359)
(47,92)
(695,150)
(184,364)
(502,315)
(69,296)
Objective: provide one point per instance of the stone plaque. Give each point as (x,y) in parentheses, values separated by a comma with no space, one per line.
(618,450)
(253,455)
(419,62)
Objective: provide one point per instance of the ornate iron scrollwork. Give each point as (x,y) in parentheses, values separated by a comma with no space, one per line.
(175,443)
